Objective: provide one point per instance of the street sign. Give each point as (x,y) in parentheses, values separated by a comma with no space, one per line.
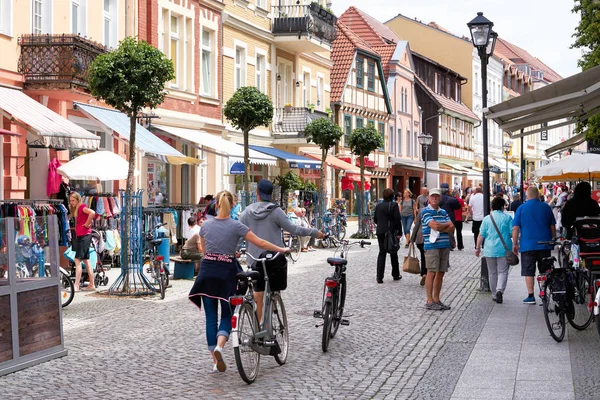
(544,132)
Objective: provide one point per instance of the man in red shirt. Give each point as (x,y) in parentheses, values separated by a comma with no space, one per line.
(458,220)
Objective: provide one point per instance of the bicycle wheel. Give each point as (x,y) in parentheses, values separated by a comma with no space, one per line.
(280,328)
(554,315)
(67,289)
(294,245)
(246,359)
(339,309)
(581,315)
(162,283)
(327,318)
(342,232)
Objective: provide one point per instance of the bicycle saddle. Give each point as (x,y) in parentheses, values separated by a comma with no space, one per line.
(336,261)
(549,260)
(248,274)
(156,241)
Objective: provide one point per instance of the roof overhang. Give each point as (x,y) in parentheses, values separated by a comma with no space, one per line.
(567,144)
(575,98)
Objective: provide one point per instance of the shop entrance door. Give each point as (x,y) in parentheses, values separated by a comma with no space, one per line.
(414,184)
(398,184)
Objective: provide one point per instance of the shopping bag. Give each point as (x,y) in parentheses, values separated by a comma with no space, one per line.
(411,263)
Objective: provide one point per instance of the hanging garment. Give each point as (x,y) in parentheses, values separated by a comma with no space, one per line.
(100,206)
(169,219)
(54,179)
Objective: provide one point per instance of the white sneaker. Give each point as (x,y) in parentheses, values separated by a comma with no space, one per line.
(221,367)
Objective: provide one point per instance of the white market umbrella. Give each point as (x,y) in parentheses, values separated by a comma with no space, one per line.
(575,167)
(100,165)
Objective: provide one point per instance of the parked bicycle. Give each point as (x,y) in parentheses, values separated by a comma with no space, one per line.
(155,264)
(565,292)
(334,294)
(250,339)
(293,243)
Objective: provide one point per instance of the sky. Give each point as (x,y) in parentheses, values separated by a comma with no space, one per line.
(542,27)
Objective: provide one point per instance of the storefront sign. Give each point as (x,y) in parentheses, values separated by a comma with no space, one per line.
(295,164)
(593,147)
(236,168)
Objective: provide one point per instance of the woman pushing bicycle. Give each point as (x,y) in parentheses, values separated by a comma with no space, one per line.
(216,280)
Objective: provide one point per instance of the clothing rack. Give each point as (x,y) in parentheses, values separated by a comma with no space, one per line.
(100,194)
(32,201)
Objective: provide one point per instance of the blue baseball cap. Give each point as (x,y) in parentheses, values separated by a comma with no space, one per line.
(265,190)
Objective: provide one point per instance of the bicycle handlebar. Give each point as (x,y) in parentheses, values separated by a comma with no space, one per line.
(264,259)
(556,241)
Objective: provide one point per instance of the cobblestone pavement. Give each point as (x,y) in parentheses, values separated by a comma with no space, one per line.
(393,348)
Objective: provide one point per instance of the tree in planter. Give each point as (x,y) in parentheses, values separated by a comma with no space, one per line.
(129,78)
(362,142)
(247,109)
(325,134)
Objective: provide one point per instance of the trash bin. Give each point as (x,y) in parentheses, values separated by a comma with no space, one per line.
(164,248)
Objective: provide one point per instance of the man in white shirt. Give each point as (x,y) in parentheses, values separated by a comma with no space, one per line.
(476,211)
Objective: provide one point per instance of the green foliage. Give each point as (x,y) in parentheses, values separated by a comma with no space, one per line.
(290,181)
(363,141)
(248,108)
(131,77)
(323,132)
(587,39)
(309,186)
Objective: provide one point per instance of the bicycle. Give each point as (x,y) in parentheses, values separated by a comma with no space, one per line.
(334,294)
(368,227)
(154,264)
(249,339)
(293,243)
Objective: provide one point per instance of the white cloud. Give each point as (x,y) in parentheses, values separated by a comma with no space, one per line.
(542,27)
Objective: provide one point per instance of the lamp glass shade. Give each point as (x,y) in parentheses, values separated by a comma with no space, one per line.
(489,50)
(480,28)
(425,139)
(506,147)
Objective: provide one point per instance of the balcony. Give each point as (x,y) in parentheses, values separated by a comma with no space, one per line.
(56,61)
(289,123)
(304,28)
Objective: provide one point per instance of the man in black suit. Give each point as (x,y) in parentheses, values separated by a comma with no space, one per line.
(387,218)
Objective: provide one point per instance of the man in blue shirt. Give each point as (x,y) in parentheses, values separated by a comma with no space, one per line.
(535,222)
(437,228)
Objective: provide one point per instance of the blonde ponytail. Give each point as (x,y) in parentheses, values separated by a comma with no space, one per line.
(224,202)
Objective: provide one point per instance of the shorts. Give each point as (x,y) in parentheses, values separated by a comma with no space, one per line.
(259,284)
(81,246)
(529,259)
(437,260)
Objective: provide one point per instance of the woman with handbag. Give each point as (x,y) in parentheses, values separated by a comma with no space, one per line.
(389,225)
(496,229)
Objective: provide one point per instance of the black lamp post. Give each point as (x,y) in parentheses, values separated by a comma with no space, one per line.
(484,40)
(506,147)
(425,140)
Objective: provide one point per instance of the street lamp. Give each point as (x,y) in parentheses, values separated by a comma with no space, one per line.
(484,40)
(506,147)
(425,140)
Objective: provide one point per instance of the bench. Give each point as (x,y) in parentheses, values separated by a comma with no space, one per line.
(184,269)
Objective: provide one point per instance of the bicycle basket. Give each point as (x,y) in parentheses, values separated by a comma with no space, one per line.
(277,271)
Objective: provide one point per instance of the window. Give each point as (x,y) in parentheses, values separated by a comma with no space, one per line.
(392,141)
(416,144)
(176,41)
(347,128)
(6,17)
(306,99)
(41,17)
(240,67)
(320,94)
(110,23)
(360,72)
(438,84)
(78,16)
(261,4)
(370,76)
(370,122)
(476,83)
(260,72)
(409,148)
(174,45)
(284,83)
(381,129)
(359,122)
(399,141)
(206,87)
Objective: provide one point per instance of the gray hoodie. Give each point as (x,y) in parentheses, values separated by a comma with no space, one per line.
(267,220)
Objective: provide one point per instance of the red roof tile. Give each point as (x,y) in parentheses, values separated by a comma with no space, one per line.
(386,52)
(520,56)
(372,31)
(449,104)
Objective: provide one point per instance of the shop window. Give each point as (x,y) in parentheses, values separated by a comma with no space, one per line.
(371,76)
(360,72)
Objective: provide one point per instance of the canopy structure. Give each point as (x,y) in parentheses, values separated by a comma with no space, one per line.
(575,167)
(294,160)
(100,165)
(575,98)
(146,141)
(47,127)
(567,144)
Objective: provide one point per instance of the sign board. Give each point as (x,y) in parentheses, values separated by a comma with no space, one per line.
(544,132)
(296,164)
(495,170)
(593,147)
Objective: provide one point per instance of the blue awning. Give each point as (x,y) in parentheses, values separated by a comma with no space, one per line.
(294,160)
(145,140)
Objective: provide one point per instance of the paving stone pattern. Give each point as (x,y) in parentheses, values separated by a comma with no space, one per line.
(128,348)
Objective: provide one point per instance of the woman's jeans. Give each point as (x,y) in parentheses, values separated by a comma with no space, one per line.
(498,273)
(211,307)
(381,260)
(421,248)
(407,222)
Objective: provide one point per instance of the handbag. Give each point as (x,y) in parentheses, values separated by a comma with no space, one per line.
(391,242)
(511,257)
(411,263)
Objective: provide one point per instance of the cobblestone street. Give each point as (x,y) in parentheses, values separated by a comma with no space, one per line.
(393,348)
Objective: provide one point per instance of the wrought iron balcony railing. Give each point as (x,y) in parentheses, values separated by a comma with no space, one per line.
(300,20)
(57,61)
(290,120)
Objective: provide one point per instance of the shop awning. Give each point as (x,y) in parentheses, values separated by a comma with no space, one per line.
(573,99)
(294,160)
(420,165)
(502,164)
(145,140)
(50,128)
(221,147)
(567,144)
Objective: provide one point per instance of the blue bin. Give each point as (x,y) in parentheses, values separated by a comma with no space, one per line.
(164,248)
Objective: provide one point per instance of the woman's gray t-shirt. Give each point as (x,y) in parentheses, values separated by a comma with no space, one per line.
(407,208)
(222,235)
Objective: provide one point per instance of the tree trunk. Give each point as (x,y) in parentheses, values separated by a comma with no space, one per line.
(362,194)
(129,191)
(322,190)
(246,167)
